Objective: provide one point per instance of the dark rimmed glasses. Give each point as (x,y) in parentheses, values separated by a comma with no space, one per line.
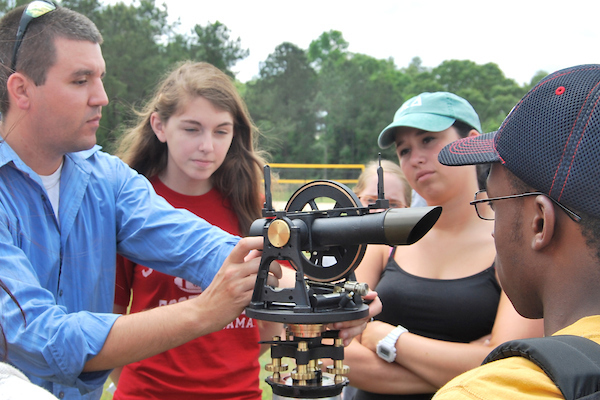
(34,10)
(484,208)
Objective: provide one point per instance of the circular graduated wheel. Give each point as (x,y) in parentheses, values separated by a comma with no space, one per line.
(334,262)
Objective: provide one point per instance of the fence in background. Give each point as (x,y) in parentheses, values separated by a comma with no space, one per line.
(322,172)
(289,177)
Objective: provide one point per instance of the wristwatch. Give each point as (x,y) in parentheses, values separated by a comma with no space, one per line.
(386,348)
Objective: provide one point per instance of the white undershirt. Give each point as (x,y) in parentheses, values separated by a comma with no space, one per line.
(52,185)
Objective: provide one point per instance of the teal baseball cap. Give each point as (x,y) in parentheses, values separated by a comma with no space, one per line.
(432,112)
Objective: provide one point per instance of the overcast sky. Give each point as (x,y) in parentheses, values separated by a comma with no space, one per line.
(521,37)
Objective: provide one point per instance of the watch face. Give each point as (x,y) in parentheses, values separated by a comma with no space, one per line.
(385,352)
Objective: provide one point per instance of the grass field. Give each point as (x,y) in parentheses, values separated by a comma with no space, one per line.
(267,392)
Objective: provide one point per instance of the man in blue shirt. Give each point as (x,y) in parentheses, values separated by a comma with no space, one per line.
(66,209)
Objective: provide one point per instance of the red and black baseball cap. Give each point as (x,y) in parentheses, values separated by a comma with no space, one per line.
(550,139)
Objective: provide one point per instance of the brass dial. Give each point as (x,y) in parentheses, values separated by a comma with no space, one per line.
(279,233)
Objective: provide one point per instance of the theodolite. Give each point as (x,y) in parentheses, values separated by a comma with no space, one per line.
(324,246)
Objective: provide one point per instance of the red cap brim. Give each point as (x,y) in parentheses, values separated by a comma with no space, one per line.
(472,150)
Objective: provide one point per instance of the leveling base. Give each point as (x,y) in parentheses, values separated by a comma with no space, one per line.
(325,389)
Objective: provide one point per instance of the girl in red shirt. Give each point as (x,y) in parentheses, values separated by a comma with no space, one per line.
(194,141)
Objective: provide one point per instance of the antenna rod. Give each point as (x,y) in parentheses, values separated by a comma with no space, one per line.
(380,193)
(268,199)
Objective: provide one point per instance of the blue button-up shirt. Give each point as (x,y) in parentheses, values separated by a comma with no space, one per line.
(63,275)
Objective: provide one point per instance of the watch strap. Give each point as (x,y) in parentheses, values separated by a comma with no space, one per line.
(386,347)
(393,336)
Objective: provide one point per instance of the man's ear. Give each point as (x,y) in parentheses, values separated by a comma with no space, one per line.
(19,90)
(543,223)
(158,127)
(473,132)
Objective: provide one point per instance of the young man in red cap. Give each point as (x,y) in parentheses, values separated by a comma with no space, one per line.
(543,192)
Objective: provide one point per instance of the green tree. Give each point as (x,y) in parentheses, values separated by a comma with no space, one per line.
(323,104)
(89,8)
(415,67)
(7,5)
(281,103)
(214,45)
(421,79)
(484,86)
(330,47)
(538,76)
(135,60)
(358,96)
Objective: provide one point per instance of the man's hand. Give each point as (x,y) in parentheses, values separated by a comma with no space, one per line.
(350,329)
(231,289)
(141,335)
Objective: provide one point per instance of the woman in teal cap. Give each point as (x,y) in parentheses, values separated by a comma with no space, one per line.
(443,308)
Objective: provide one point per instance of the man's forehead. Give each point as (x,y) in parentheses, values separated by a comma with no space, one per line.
(67,46)
(79,55)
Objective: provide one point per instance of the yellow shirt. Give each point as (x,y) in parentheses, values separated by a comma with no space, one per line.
(514,377)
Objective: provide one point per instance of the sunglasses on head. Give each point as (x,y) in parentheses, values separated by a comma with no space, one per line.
(33,10)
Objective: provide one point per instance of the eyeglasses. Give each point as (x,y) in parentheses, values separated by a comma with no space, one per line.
(393,202)
(34,10)
(481,201)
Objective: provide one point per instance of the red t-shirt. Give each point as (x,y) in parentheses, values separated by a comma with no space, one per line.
(221,365)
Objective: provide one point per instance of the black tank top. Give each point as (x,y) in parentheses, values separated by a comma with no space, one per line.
(457,310)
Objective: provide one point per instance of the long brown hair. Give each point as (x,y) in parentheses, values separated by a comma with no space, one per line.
(239,177)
